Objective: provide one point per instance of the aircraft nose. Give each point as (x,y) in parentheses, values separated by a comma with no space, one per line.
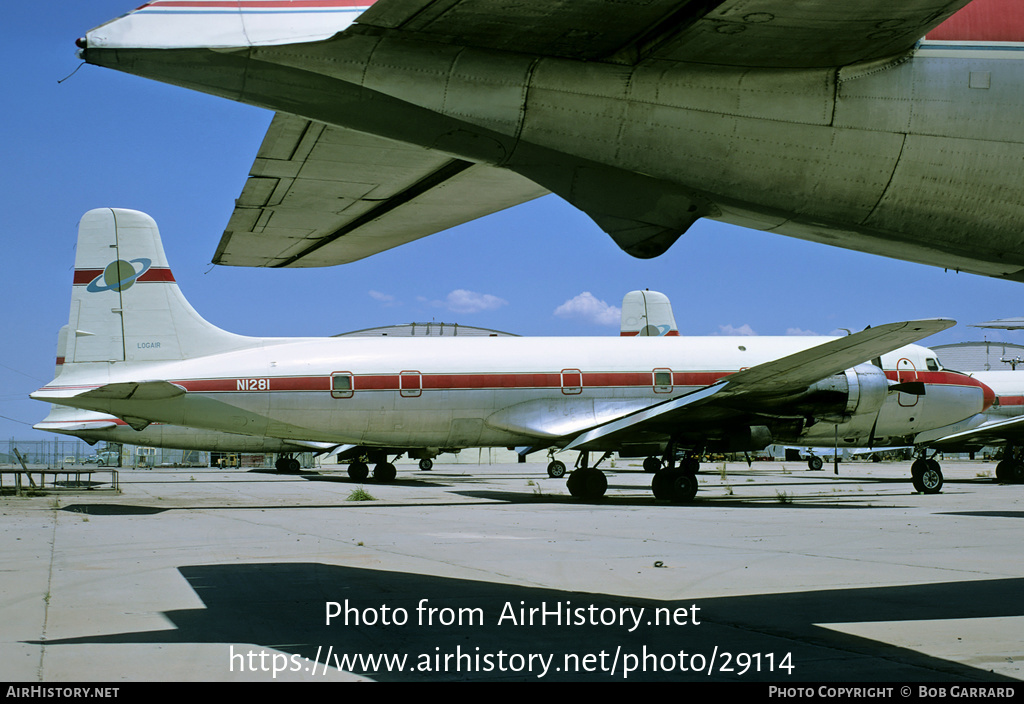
(988,396)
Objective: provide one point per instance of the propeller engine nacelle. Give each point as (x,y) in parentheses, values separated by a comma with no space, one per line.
(861,390)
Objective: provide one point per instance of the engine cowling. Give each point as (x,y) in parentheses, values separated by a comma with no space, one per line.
(860,390)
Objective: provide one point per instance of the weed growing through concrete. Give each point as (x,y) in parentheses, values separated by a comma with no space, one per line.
(361,494)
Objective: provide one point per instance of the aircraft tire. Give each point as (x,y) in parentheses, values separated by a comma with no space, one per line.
(574,484)
(292,465)
(595,484)
(652,464)
(691,465)
(682,487)
(1017,472)
(659,485)
(358,471)
(426,464)
(929,481)
(556,469)
(384,472)
(918,468)
(1004,472)
(815,463)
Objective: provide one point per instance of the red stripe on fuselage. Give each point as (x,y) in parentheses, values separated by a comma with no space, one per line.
(983,21)
(391,382)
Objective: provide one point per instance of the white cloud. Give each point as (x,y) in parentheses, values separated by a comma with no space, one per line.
(385,298)
(588,308)
(802,333)
(463,301)
(744,329)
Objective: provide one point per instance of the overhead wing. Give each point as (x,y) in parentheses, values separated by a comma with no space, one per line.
(321,195)
(792,373)
(765,33)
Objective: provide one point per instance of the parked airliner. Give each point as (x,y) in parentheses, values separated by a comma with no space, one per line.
(138,350)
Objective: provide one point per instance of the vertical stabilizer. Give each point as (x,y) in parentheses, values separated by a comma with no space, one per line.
(647,313)
(125,303)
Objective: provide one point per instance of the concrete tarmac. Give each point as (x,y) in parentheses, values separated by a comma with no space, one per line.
(492,572)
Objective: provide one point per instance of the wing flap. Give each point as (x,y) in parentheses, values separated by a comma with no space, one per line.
(321,195)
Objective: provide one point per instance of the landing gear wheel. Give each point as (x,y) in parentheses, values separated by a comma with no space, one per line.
(292,465)
(556,469)
(588,483)
(659,485)
(682,487)
(1017,472)
(384,472)
(691,465)
(1004,472)
(815,463)
(358,471)
(918,468)
(652,464)
(930,480)
(426,464)
(674,485)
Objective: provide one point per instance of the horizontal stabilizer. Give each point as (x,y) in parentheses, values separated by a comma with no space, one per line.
(73,426)
(136,391)
(121,391)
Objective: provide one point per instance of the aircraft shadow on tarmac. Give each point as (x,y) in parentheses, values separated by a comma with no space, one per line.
(282,606)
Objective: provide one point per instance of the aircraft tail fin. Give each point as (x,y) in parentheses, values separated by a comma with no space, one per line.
(647,313)
(125,303)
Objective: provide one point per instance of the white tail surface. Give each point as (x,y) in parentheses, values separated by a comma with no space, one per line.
(125,304)
(647,313)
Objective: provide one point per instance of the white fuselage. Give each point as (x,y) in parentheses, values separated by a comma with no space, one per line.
(480,392)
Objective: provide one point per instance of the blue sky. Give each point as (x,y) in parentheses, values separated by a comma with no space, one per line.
(103,138)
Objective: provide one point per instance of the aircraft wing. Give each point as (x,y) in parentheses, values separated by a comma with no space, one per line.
(320,195)
(763,33)
(790,374)
(990,433)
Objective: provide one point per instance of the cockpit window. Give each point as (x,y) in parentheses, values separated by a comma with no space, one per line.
(932,364)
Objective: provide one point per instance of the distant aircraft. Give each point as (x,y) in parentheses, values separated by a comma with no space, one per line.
(1002,423)
(821,120)
(647,313)
(137,350)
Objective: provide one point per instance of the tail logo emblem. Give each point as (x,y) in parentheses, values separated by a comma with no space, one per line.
(119,275)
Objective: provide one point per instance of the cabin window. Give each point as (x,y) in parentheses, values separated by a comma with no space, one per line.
(341,385)
(663,378)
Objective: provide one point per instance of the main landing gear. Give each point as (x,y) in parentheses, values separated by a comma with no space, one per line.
(586,482)
(1010,469)
(926,474)
(676,484)
(286,463)
(383,471)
